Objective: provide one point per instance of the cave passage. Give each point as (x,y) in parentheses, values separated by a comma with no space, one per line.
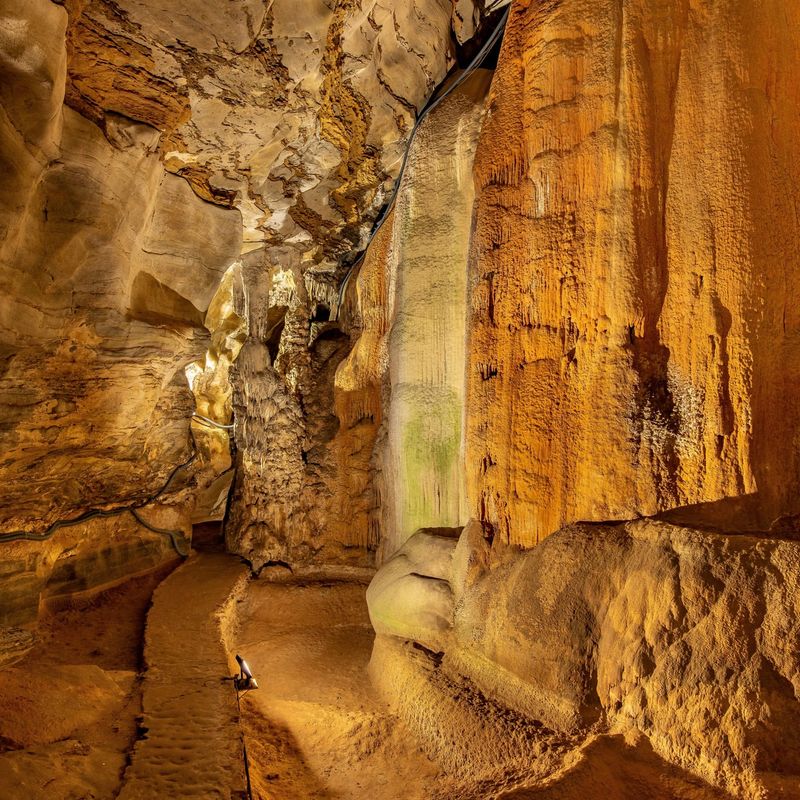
(438,358)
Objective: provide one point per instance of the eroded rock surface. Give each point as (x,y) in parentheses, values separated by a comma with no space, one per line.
(581,308)
(632,350)
(172,174)
(108,265)
(687,636)
(375,429)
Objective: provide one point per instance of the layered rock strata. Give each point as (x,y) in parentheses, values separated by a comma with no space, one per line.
(145,147)
(108,264)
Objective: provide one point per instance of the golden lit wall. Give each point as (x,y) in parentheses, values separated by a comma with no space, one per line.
(634,319)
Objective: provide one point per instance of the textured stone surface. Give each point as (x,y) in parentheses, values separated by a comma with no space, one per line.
(581,308)
(108,265)
(193,742)
(125,302)
(392,453)
(423,473)
(90,314)
(411,596)
(633,342)
(400,391)
(15,643)
(295,112)
(687,636)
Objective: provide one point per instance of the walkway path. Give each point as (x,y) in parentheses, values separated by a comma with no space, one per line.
(191,745)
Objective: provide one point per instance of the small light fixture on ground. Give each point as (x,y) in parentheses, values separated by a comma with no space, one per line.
(244,681)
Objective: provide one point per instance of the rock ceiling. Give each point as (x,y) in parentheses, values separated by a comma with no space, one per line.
(296,113)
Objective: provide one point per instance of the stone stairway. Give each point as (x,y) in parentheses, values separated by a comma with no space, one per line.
(191,745)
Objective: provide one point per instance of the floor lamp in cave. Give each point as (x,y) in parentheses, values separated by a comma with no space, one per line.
(243,683)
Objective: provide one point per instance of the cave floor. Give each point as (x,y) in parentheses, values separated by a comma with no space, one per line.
(315,728)
(70,707)
(191,739)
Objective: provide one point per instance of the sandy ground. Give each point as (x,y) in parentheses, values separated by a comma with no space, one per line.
(316,729)
(615,768)
(70,707)
(192,746)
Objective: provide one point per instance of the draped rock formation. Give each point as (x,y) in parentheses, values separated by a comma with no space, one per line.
(555,398)
(631,352)
(633,334)
(392,454)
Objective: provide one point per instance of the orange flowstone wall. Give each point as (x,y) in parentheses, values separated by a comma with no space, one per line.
(634,322)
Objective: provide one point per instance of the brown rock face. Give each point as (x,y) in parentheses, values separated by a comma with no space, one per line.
(295,112)
(107,266)
(633,341)
(125,302)
(686,636)
(580,318)
(391,455)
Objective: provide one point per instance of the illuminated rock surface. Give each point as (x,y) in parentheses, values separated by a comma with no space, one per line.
(575,332)
(163,167)
(686,636)
(399,393)
(633,345)
(191,746)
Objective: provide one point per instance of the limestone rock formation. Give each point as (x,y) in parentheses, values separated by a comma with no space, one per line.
(412,596)
(406,370)
(627,344)
(633,343)
(108,264)
(687,636)
(177,177)
(397,394)
(576,332)
(295,112)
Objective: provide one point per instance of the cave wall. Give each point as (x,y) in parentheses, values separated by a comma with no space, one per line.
(187,189)
(185,185)
(402,385)
(633,333)
(108,264)
(306,453)
(631,343)
(631,352)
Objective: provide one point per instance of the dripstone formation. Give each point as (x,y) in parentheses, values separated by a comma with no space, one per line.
(551,403)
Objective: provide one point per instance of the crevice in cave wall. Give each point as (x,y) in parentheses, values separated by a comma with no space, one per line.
(160,164)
